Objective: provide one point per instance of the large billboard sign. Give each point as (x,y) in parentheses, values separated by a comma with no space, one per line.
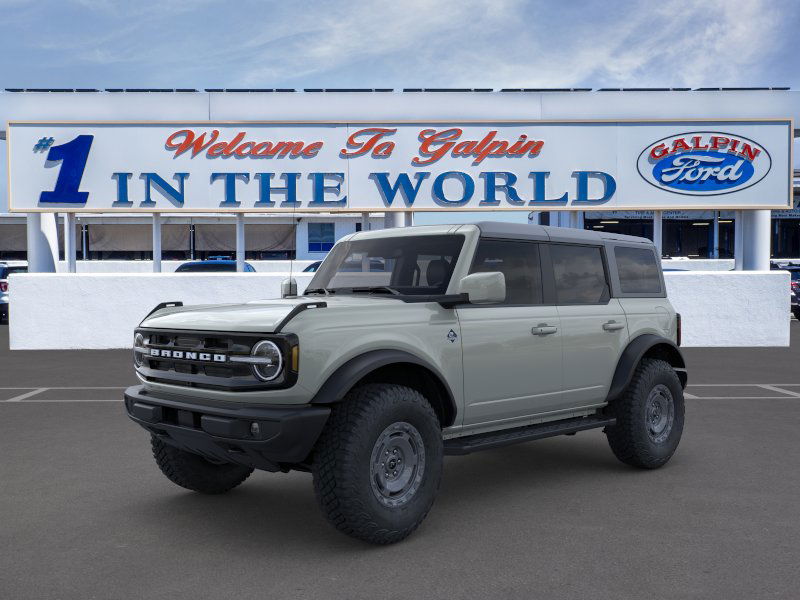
(211,167)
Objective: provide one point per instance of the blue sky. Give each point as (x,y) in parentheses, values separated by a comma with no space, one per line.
(403,43)
(448,43)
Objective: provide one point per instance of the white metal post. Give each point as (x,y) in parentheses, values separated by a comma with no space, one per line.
(408,219)
(156,242)
(69,241)
(715,236)
(738,240)
(364,221)
(240,242)
(658,231)
(84,242)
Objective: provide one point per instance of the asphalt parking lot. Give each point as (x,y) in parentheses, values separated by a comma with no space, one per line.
(85,513)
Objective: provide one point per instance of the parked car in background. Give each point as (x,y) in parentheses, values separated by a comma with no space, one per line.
(212,265)
(6,269)
(312,268)
(795,284)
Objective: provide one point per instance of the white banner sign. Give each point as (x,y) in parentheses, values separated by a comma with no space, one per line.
(364,167)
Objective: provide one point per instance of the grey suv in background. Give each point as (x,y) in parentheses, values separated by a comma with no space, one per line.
(410,344)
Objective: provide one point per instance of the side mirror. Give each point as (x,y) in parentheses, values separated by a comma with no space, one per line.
(484,288)
(288,287)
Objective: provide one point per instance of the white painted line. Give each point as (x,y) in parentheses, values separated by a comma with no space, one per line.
(41,400)
(27,395)
(745,397)
(775,388)
(690,396)
(72,388)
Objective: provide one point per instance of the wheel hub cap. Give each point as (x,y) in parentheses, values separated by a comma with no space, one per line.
(397,465)
(659,413)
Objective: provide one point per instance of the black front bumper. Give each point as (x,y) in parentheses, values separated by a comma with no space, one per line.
(263,437)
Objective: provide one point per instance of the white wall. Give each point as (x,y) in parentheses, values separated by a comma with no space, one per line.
(731,308)
(169,266)
(53,311)
(100,310)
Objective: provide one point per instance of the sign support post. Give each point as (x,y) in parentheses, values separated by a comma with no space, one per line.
(69,241)
(240,247)
(738,239)
(42,240)
(658,231)
(156,242)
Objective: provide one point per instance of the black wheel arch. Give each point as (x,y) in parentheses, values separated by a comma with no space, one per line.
(647,345)
(391,366)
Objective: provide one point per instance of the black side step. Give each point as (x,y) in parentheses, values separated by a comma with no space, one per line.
(495,439)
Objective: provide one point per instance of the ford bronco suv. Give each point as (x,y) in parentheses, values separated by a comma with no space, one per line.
(407,345)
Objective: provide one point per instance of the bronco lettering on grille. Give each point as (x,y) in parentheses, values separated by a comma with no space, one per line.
(180,354)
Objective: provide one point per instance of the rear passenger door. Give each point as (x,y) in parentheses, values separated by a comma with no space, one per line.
(593,323)
(512,351)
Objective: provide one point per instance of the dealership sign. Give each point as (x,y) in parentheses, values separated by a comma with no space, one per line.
(363,167)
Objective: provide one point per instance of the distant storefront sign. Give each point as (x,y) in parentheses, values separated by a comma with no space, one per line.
(378,167)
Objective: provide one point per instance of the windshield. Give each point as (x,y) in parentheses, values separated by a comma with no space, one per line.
(420,264)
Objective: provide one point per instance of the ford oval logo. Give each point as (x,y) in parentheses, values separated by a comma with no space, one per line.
(704,163)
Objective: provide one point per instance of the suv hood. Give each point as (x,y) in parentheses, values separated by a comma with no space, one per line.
(261,316)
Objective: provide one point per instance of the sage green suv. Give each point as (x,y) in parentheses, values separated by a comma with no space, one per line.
(407,345)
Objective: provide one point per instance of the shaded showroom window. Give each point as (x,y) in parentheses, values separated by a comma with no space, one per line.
(120,242)
(321,237)
(13,241)
(262,241)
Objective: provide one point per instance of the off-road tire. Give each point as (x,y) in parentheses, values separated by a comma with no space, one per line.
(194,472)
(630,438)
(344,457)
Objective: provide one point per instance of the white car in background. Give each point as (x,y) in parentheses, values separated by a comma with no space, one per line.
(6,269)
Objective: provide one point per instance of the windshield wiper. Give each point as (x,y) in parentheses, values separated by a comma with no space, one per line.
(375,289)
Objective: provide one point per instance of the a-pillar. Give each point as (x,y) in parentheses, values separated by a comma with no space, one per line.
(42,234)
(756,239)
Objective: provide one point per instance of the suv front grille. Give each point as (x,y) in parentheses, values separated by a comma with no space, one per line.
(197,364)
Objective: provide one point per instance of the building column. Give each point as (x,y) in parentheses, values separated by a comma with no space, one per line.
(715,236)
(69,241)
(738,240)
(395,219)
(42,234)
(658,231)
(756,240)
(240,247)
(365,221)
(156,243)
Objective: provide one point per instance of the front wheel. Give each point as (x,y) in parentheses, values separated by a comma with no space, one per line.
(649,416)
(378,463)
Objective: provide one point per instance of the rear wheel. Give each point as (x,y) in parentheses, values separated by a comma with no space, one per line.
(649,416)
(378,463)
(194,472)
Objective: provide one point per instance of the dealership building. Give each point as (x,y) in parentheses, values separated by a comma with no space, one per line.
(108,191)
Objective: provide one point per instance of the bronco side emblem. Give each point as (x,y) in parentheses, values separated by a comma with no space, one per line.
(452,336)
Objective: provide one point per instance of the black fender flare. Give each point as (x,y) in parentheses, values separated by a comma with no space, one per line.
(633,354)
(351,372)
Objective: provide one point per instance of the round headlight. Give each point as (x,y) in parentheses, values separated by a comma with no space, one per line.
(271,361)
(138,349)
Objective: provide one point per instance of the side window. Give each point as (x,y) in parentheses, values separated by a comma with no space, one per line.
(321,237)
(519,262)
(579,273)
(638,271)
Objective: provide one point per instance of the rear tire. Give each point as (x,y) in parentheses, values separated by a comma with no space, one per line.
(378,463)
(193,472)
(649,415)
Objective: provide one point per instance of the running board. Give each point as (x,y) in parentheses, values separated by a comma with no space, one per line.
(495,439)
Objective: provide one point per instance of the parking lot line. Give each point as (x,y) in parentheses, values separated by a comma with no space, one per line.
(775,388)
(27,394)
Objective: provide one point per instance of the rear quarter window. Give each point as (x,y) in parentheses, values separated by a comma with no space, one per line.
(638,270)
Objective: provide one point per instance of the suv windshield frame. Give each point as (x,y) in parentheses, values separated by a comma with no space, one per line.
(401,266)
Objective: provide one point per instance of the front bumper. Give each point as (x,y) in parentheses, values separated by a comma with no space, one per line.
(285,435)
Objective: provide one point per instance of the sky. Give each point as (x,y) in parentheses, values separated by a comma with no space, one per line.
(403,43)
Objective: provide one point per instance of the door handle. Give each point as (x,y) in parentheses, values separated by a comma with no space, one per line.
(613,326)
(543,329)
